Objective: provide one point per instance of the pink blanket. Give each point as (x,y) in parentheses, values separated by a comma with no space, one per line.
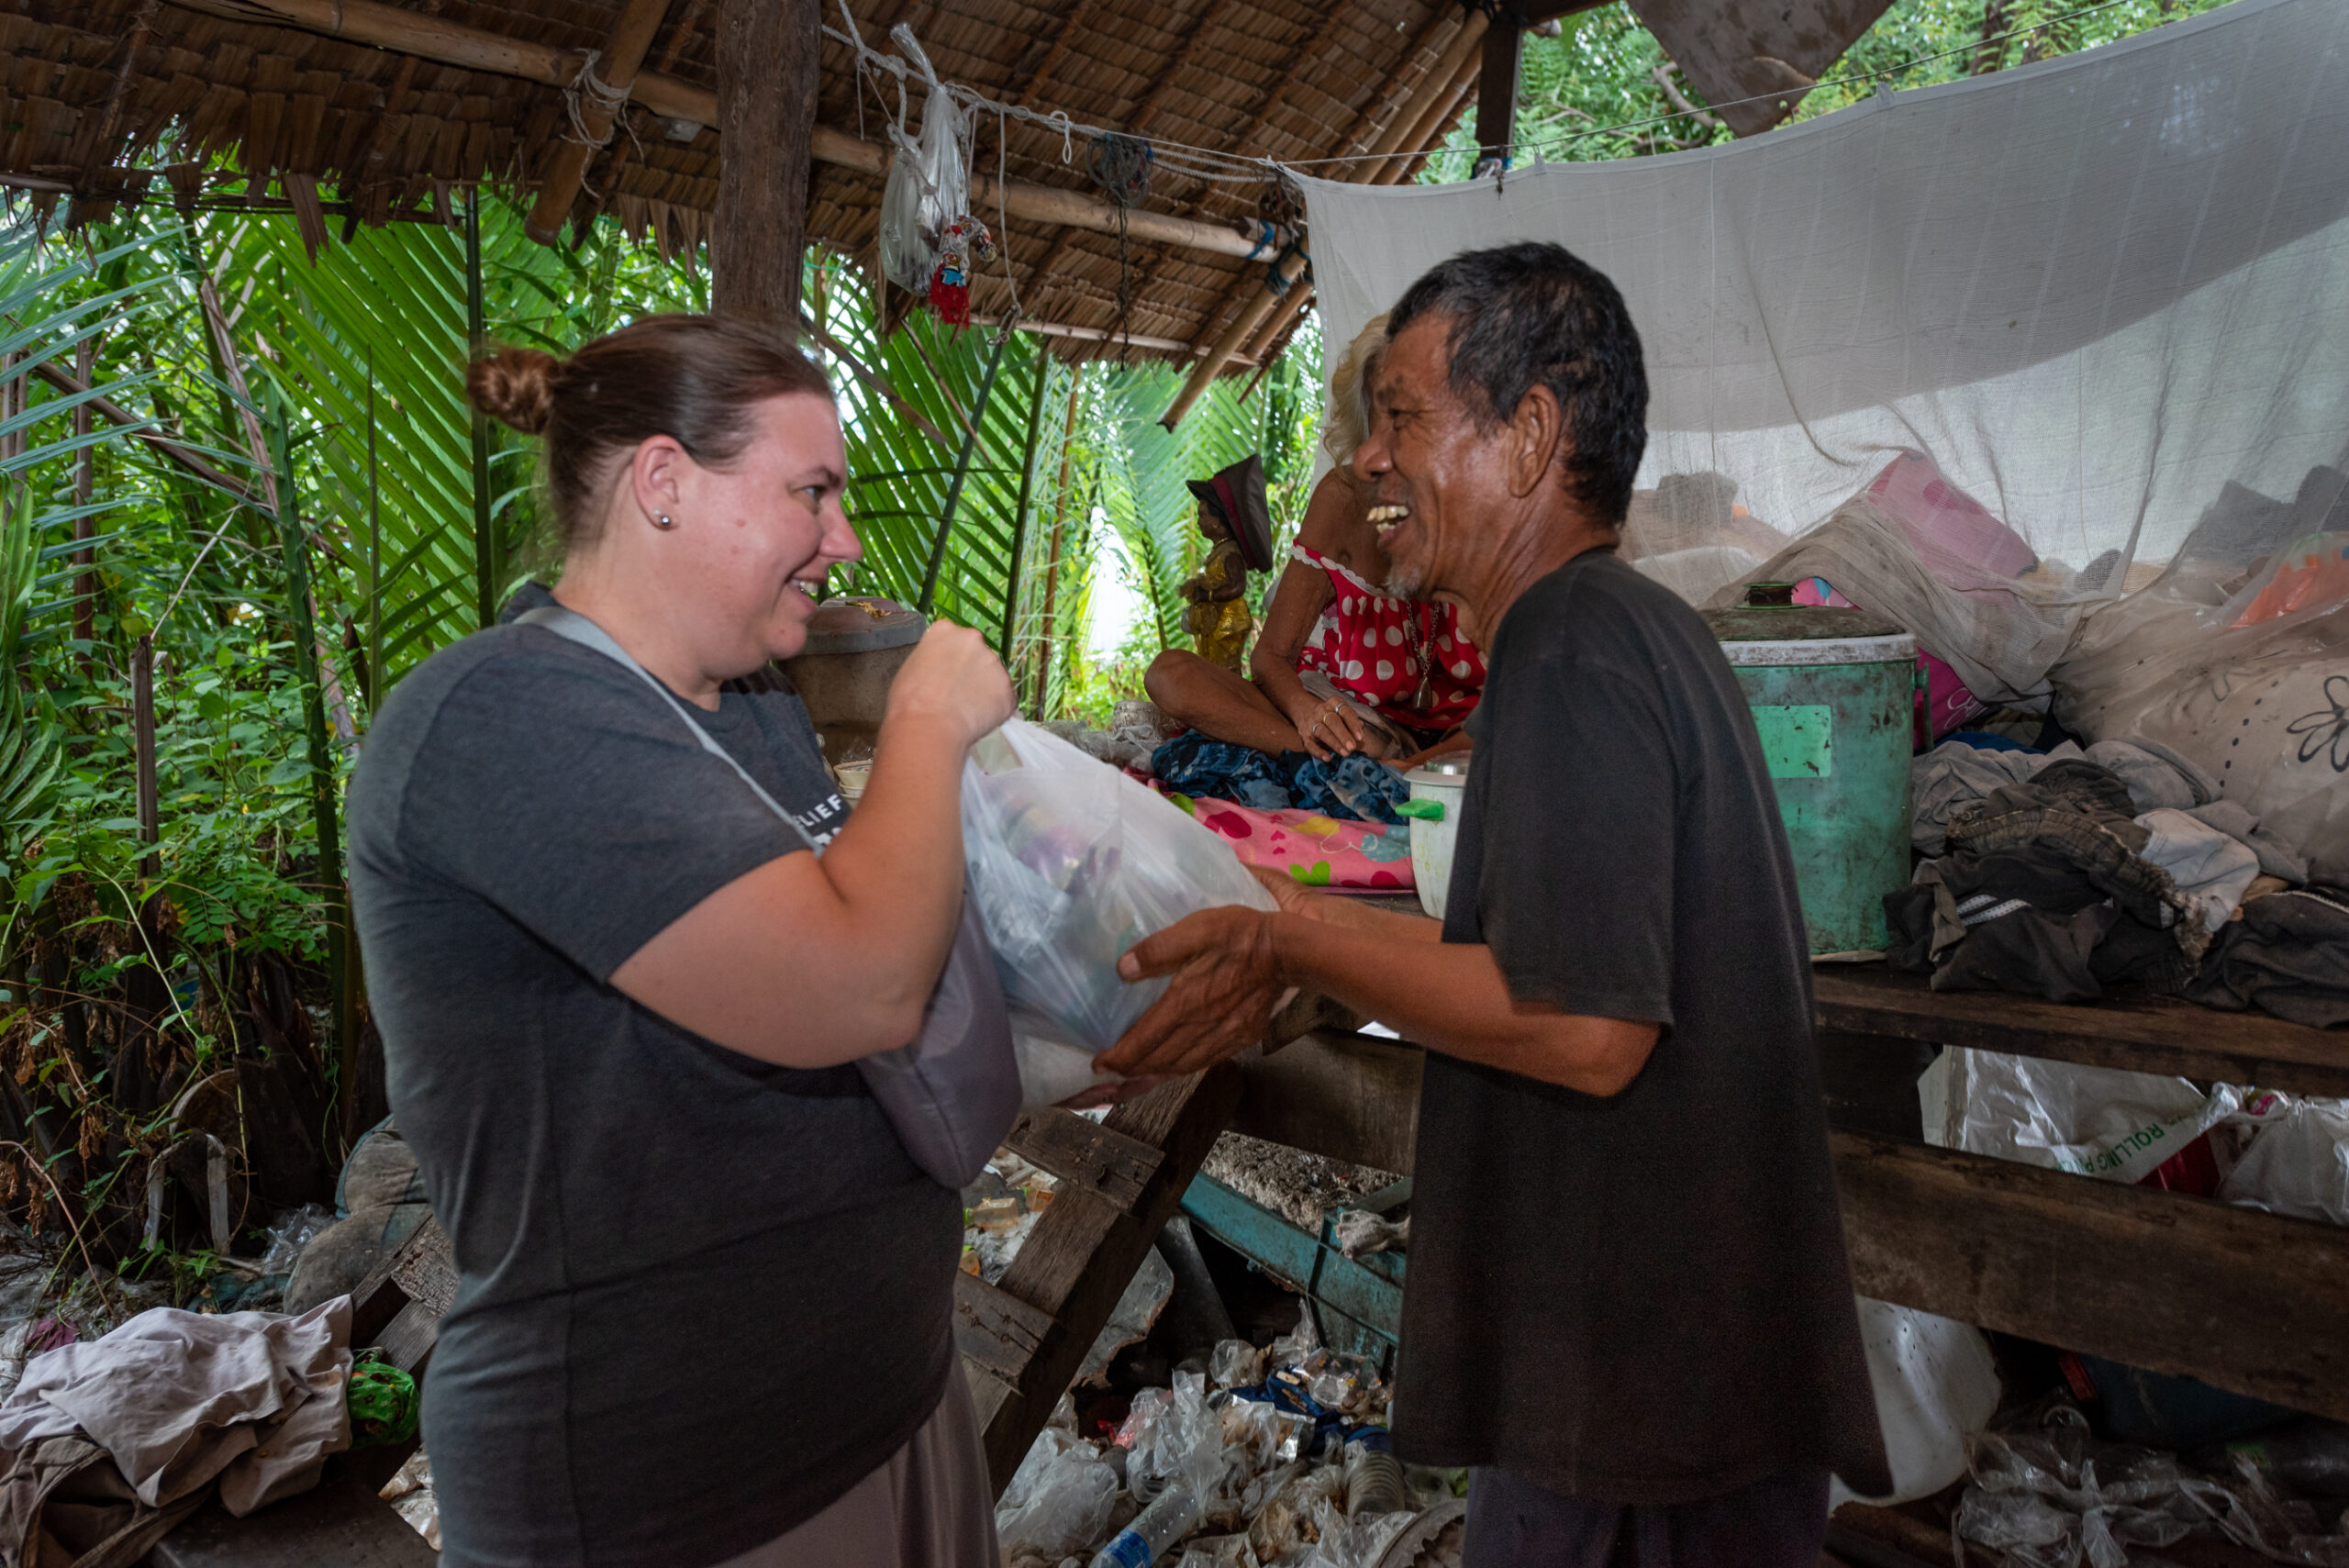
(1319,851)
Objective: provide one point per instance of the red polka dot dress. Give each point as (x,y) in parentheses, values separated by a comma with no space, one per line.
(1408,658)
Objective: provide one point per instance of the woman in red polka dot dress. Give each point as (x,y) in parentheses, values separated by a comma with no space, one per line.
(1340,666)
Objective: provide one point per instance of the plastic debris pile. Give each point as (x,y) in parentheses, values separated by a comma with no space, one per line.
(412,1498)
(2048,1493)
(1277,1455)
(1000,1211)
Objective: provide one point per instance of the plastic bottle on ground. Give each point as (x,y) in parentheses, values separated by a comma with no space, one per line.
(1373,1475)
(1175,1514)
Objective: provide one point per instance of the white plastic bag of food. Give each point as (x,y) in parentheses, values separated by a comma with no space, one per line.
(1070,863)
(928,185)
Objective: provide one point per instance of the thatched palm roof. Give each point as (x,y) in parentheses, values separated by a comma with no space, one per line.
(109,100)
(95,87)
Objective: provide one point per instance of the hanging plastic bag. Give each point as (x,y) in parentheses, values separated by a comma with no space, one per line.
(928,183)
(1070,863)
(1936,1384)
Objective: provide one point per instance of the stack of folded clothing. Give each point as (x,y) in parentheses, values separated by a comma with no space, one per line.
(2046,890)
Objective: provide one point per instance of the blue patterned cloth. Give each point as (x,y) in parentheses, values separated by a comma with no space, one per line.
(1356,787)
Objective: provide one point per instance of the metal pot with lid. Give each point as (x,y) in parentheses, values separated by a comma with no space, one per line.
(856,644)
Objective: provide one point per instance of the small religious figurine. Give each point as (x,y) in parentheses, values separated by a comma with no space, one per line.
(1235,517)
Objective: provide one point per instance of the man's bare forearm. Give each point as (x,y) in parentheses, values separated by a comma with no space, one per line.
(1451,997)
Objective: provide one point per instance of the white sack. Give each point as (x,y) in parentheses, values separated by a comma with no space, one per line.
(2095,289)
(2092,1121)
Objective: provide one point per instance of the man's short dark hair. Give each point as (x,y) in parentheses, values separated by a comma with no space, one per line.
(1535,314)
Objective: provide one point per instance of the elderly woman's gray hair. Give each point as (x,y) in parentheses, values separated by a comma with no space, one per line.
(1345,418)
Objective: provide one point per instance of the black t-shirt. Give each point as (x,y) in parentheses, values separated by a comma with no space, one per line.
(701,1296)
(1641,1298)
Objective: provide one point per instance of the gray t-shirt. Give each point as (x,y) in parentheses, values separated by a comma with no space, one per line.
(1641,1298)
(701,1296)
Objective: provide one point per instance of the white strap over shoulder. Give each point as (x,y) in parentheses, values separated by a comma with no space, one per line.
(571,625)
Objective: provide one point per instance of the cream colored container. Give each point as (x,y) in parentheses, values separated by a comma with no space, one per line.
(1437,791)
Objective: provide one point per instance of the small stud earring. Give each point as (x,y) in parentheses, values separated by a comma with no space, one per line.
(664,520)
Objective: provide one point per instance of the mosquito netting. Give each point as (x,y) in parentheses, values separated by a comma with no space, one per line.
(2051,365)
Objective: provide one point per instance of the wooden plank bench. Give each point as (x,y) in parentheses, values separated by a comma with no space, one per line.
(2247,1301)
(342,1522)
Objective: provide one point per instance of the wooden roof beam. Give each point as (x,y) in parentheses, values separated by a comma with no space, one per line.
(476,49)
(1098,335)
(1497,89)
(623,56)
(1144,118)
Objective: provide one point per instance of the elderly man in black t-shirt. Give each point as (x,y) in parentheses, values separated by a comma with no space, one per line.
(1628,1306)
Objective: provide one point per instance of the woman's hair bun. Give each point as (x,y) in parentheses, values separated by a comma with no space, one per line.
(514,387)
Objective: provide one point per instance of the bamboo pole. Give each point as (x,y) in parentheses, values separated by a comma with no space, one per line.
(1101,335)
(1441,108)
(476,49)
(148,806)
(623,55)
(1250,314)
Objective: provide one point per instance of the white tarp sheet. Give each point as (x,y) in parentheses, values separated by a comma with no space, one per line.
(2094,290)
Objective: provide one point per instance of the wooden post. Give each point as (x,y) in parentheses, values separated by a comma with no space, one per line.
(1496,87)
(85,559)
(142,752)
(559,187)
(767,57)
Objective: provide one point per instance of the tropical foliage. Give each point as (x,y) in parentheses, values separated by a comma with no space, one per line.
(1604,88)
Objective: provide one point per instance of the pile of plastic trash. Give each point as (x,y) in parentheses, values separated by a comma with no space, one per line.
(1000,1211)
(2046,1493)
(1268,1456)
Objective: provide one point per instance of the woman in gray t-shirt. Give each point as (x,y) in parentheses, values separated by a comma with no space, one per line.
(706,1309)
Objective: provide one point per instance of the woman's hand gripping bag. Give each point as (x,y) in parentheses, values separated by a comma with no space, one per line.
(1070,863)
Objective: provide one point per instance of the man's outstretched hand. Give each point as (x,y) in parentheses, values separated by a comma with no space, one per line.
(1227,981)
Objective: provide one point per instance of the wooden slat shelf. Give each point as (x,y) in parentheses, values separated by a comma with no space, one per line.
(2247,1301)
(2149,1034)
